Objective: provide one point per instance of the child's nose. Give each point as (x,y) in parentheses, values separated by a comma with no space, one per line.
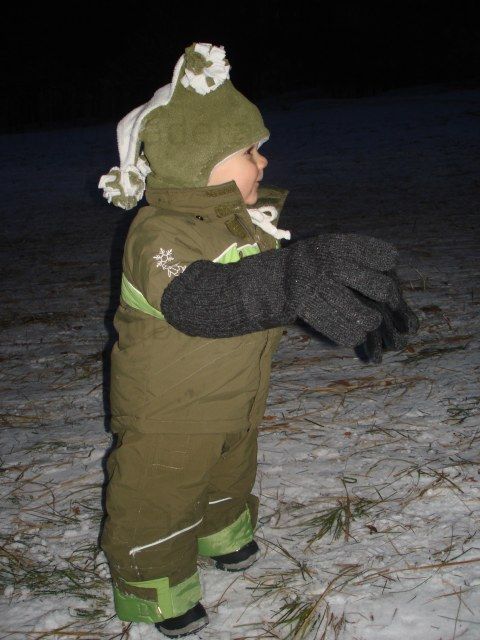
(262,161)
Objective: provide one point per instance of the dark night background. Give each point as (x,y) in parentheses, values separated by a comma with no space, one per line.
(374,112)
(85,64)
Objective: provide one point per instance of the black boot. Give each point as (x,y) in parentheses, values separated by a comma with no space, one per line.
(189,622)
(238,560)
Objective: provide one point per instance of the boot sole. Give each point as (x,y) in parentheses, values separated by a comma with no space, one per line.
(237,566)
(193,627)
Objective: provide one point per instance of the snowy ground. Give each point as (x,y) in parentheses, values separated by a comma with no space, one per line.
(390,452)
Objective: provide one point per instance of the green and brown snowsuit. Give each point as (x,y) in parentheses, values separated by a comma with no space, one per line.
(186,409)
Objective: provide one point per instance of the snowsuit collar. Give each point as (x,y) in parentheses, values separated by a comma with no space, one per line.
(217,202)
(214,201)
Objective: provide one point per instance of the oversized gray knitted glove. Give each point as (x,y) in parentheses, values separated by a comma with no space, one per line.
(309,279)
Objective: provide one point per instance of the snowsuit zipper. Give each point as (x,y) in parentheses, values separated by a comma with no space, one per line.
(239,220)
(253,236)
(253,407)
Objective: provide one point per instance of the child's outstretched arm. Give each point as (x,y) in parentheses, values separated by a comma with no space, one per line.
(310,279)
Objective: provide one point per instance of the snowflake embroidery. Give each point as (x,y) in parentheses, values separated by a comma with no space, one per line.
(163,258)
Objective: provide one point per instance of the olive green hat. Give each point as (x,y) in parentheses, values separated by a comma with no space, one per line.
(186,129)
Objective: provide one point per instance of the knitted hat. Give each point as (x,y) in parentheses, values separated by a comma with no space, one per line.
(187,128)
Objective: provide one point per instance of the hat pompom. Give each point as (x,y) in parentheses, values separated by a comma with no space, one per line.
(125,187)
(206,67)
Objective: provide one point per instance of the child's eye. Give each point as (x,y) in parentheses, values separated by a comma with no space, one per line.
(248,152)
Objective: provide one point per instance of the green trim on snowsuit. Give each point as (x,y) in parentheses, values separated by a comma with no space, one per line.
(231,538)
(171,601)
(135,298)
(234,253)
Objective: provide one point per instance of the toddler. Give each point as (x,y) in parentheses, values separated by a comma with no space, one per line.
(206,291)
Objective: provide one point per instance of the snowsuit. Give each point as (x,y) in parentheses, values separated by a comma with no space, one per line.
(186,409)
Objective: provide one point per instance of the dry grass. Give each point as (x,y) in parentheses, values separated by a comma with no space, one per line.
(344,386)
(50,318)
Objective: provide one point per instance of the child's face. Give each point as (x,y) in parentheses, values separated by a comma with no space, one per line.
(246,168)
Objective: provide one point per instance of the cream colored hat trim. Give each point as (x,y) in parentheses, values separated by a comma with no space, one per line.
(131,165)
